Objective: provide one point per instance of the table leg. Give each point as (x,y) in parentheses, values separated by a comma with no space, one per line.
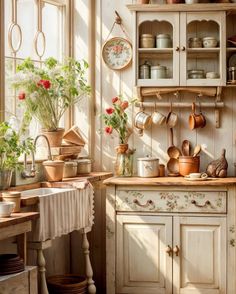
(88,266)
(42,276)
(21,246)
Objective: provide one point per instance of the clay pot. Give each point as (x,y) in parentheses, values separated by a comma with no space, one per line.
(54,137)
(188,165)
(53,170)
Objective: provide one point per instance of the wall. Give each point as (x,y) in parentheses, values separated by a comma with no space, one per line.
(156,140)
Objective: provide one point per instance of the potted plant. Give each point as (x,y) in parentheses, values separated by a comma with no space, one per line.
(48,91)
(116,119)
(11,148)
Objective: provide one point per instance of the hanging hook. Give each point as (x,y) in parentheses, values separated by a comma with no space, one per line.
(118,19)
(176,94)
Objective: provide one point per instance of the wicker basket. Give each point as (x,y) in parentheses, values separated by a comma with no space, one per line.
(67,284)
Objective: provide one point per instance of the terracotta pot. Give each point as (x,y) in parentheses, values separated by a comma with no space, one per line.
(188,164)
(54,137)
(53,170)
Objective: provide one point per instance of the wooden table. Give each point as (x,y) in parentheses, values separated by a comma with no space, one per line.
(18,224)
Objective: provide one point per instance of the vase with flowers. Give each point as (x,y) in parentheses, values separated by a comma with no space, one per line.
(12,146)
(48,91)
(116,120)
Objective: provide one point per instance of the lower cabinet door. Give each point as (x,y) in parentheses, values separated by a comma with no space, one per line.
(143,254)
(199,255)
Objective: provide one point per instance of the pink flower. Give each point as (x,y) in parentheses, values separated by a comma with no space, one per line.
(21,96)
(124,105)
(114,100)
(110,110)
(108,130)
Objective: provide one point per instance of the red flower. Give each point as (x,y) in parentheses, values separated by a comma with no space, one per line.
(110,110)
(124,105)
(45,83)
(108,130)
(21,96)
(114,100)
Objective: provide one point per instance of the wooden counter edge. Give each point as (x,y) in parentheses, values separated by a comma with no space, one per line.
(167,181)
(17,218)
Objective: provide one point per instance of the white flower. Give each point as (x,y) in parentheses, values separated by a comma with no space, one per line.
(8,135)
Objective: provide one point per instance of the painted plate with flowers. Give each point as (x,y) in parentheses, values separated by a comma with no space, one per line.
(117,53)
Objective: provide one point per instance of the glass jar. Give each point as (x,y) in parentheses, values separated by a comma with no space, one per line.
(124,163)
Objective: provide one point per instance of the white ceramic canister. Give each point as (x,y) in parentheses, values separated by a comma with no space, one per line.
(158,72)
(163,41)
(84,166)
(147,41)
(148,167)
(70,169)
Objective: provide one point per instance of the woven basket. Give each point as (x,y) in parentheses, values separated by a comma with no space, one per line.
(66,284)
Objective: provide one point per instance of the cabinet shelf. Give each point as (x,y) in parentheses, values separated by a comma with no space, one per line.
(203,50)
(231,49)
(155,50)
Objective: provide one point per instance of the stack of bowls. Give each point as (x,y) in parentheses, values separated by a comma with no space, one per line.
(11,264)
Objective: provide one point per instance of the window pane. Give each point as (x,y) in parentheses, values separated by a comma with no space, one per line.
(27,20)
(52,28)
(8,17)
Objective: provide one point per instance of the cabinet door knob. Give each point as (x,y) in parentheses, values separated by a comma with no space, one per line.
(177,48)
(176,250)
(182,48)
(169,250)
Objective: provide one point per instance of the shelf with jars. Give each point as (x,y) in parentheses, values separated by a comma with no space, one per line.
(180,48)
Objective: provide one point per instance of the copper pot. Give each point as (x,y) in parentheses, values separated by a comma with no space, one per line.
(196,120)
(188,165)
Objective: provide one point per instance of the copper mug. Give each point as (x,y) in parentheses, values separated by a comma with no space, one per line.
(196,120)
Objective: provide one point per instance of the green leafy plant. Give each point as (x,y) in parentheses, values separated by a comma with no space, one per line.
(12,147)
(116,119)
(48,91)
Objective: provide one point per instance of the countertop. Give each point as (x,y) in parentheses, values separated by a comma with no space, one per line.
(17,218)
(168,181)
(68,182)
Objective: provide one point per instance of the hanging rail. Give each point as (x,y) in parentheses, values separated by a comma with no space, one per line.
(180,104)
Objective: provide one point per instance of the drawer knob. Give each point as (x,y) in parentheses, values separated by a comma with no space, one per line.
(168,250)
(201,205)
(148,203)
(176,250)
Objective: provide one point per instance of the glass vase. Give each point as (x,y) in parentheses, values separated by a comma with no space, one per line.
(124,161)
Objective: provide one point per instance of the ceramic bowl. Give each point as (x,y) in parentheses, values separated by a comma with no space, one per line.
(212,75)
(6,208)
(209,42)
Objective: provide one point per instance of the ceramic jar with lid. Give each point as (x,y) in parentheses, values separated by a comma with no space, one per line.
(70,169)
(158,72)
(148,167)
(195,43)
(84,166)
(147,41)
(144,71)
(163,41)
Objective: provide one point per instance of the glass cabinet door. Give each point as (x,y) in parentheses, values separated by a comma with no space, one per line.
(202,49)
(157,49)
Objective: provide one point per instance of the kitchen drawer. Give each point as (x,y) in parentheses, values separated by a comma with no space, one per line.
(171,201)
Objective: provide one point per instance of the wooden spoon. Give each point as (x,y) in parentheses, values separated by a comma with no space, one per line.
(173,151)
(186,148)
(197,150)
(173,166)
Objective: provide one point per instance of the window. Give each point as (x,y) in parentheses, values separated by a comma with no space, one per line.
(34,29)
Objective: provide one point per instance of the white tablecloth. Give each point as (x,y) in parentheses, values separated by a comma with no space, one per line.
(63,213)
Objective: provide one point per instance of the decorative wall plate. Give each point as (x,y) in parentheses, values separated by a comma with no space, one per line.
(117,53)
